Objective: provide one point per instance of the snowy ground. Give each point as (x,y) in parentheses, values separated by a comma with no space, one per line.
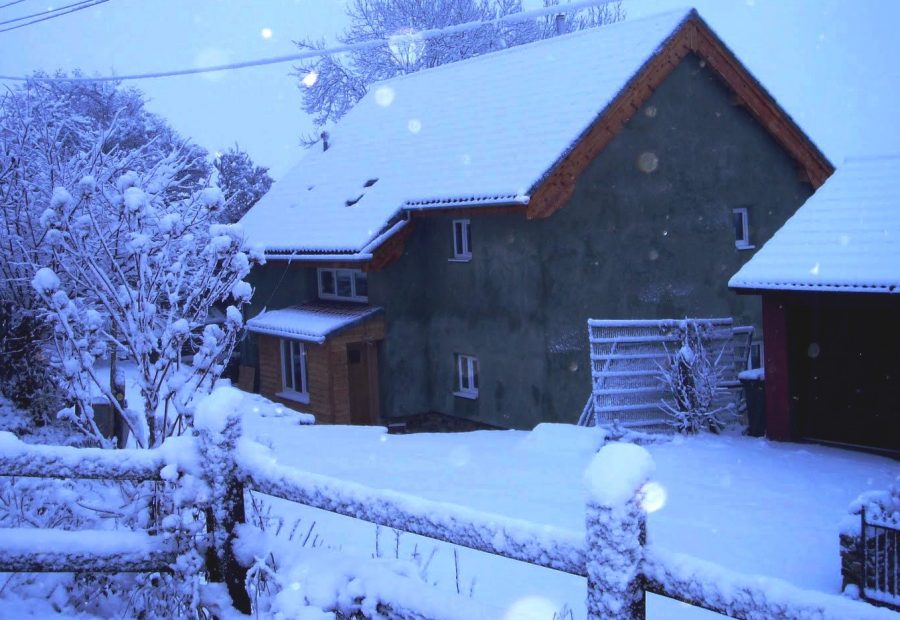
(747,504)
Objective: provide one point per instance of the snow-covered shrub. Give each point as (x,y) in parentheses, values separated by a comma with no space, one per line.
(23,365)
(53,135)
(134,275)
(694,378)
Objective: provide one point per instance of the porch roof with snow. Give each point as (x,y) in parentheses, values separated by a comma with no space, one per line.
(846,237)
(500,129)
(311,322)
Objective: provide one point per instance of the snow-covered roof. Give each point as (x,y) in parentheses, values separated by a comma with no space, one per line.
(482,131)
(310,322)
(846,237)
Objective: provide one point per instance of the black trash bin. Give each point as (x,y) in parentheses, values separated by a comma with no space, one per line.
(755,396)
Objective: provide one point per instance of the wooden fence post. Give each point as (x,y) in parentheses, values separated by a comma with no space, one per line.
(218,434)
(616,532)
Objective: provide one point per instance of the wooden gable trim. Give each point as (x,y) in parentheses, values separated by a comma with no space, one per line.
(694,36)
(470,211)
(390,250)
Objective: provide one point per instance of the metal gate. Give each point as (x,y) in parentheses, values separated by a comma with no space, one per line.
(881,562)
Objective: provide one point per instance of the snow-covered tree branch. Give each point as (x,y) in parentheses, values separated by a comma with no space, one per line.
(135,274)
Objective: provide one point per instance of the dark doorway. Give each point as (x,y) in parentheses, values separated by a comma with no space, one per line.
(362,371)
(845,379)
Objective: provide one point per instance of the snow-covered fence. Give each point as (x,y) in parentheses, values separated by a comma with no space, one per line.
(628,355)
(517,539)
(29,550)
(612,552)
(37,550)
(37,461)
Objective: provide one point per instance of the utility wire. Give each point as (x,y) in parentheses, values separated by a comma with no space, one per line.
(422,35)
(65,10)
(45,12)
(3,6)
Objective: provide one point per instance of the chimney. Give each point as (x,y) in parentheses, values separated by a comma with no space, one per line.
(324,136)
(560,23)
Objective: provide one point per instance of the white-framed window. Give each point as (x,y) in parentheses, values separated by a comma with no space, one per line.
(343,284)
(467,376)
(293,371)
(757,356)
(462,240)
(741,222)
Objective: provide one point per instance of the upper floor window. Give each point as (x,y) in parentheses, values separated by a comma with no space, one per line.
(741,219)
(467,376)
(462,240)
(293,374)
(343,284)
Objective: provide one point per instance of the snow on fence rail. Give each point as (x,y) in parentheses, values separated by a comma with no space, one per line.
(612,552)
(615,538)
(51,550)
(546,546)
(627,357)
(30,550)
(18,458)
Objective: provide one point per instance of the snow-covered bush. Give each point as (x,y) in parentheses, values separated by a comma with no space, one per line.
(694,378)
(52,134)
(134,275)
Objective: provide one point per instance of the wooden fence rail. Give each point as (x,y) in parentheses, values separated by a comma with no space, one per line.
(18,458)
(30,550)
(516,539)
(612,552)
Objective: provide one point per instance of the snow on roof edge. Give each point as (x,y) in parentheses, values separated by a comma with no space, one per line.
(751,285)
(337,324)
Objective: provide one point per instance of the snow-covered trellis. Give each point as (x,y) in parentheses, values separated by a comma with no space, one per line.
(627,357)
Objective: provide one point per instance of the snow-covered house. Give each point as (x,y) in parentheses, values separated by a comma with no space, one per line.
(467,220)
(830,286)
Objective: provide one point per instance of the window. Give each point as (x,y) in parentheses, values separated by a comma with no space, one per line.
(343,284)
(757,358)
(462,240)
(293,373)
(741,221)
(467,375)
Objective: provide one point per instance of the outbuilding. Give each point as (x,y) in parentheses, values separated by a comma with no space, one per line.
(830,286)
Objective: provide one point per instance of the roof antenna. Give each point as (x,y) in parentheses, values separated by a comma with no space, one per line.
(560,23)
(324,136)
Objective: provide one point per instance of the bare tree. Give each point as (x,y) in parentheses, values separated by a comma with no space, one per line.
(332,85)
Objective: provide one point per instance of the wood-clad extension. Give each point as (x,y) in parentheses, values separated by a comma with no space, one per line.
(327,372)
(694,36)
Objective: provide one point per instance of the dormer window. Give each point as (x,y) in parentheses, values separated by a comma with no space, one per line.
(462,240)
(343,285)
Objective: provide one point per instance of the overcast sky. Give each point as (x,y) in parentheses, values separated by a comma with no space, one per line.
(830,63)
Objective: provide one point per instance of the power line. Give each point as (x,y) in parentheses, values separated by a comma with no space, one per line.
(422,35)
(44,13)
(77,6)
(3,6)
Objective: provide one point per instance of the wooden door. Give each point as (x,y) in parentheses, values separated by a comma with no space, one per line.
(362,370)
(845,373)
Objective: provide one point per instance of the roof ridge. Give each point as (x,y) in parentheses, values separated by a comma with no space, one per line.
(686,13)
